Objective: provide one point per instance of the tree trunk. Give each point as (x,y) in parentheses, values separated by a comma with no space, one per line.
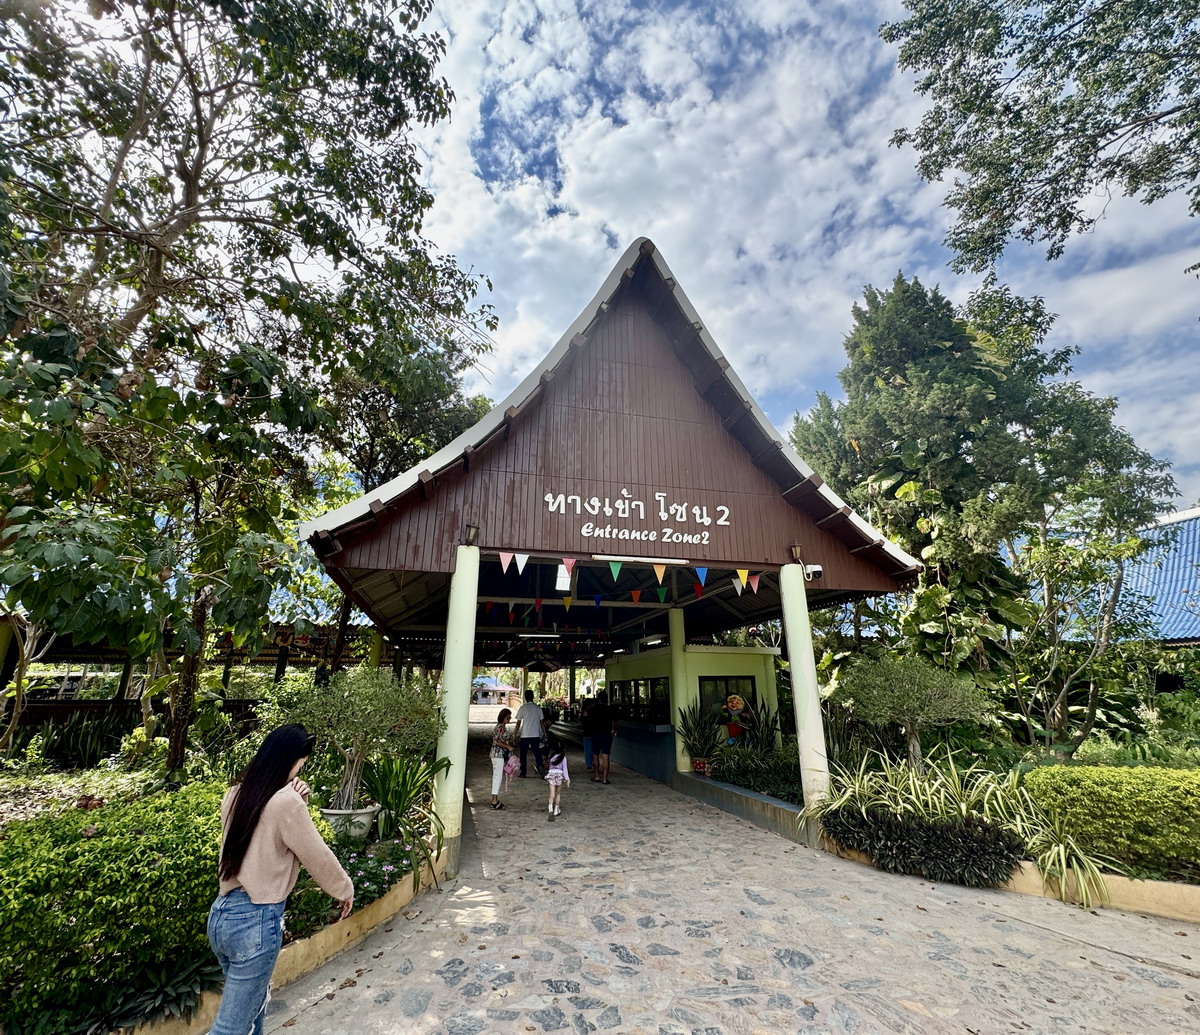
(183,696)
(347,790)
(339,639)
(913,741)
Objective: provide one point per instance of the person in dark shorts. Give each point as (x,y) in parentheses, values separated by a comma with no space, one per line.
(604,728)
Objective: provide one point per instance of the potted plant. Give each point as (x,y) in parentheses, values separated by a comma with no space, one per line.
(366,712)
(699,732)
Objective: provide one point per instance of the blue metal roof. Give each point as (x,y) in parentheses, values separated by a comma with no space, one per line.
(1170,577)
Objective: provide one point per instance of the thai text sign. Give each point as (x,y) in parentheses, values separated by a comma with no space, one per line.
(621,517)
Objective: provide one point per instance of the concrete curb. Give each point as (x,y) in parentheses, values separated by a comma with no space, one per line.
(1155,897)
(304,956)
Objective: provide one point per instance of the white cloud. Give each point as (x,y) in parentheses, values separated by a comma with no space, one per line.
(749,141)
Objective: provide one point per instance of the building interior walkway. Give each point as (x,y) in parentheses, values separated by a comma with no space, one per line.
(642,910)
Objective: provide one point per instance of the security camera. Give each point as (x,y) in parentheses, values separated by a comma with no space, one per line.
(813,571)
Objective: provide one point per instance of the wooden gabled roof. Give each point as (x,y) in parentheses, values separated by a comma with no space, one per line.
(635,397)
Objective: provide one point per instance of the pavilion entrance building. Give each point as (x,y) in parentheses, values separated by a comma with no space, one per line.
(628,491)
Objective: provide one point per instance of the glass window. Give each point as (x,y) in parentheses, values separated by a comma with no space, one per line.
(715,689)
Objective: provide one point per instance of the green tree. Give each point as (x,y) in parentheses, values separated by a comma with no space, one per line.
(209,211)
(911,693)
(961,435)
(1039,108)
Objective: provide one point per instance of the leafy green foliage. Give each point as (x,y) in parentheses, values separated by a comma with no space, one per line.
(776,773)
(403,785)
(911,693)
(367,712)
(964,850)
(948,791)
(1040,108)
(1148,817)
(116,891)
(698,730)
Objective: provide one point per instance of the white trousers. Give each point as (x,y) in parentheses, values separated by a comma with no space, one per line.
(497,774)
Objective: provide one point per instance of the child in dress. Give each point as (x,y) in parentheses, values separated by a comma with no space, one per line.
(556,775)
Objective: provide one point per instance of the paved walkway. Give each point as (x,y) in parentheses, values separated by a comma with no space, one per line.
(641,910)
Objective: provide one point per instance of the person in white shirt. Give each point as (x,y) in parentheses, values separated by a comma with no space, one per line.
(531,725)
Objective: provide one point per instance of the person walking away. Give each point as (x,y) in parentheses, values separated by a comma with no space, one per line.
(604,728)
(266,835)
(531,727)
(556,775)
(501,746)
(585,726)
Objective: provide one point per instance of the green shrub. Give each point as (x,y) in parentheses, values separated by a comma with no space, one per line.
(104,909)
(1147,817)
(964,850)
(776,773)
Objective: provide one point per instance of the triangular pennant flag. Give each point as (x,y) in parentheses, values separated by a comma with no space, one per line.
(698,589)
(615,568)
(637,596)
(754,582)
(660,570)
(662,594)
(505,561)
(537,603)
(737,584)
(702,575)
(743,574)
(569,564)
(527,621)
(597,599)
(522,560)
(567,603)
(511,615)
(488,607)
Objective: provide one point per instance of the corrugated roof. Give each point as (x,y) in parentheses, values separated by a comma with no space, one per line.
(1170,577)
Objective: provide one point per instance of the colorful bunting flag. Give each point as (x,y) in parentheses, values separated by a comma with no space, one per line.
(511,615)
(522,560)
(637,596)
(569,564)
(743,574)
(702,575)
(660,570)
(597,599)
(615,568)
(488,608)
(505,561)
(662,594)
(737,584)
(698,589)
(754,582)
(567,603)
(527,621)
(537,603)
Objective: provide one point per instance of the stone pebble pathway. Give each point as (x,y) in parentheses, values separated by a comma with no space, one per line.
(641,910)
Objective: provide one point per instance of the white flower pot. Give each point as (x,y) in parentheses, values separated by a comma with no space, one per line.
(351,822)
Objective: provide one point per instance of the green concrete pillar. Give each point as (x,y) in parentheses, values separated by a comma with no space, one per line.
(806,699)
(681,690)
(375,652)
(456,699)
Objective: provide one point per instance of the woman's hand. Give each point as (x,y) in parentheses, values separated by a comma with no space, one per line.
(301,788)
(346,905)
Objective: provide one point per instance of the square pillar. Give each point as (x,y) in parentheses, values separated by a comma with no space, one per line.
(680,689)
(806,698)
(456,700)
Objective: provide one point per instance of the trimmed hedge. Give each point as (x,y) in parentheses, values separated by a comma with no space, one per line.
(1146,817)
(962,850)
(777,774)
(103,912)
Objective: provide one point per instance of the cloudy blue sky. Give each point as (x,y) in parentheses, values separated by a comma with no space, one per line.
(749,140)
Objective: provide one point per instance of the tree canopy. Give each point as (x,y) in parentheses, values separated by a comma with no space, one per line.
(210,217)
(1042,110)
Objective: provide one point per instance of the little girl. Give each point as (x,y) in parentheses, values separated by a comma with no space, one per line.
(556,775)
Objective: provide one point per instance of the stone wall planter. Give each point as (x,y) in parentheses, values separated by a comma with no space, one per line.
(304,956)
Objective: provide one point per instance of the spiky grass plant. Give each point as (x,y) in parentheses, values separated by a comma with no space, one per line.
(950,790)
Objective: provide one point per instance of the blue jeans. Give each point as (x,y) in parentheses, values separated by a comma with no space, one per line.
(587,752)
(246,938)
(536,744)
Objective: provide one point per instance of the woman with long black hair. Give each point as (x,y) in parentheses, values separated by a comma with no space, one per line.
(266,834)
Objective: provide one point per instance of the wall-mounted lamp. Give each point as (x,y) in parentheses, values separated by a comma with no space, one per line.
(472,532)
(796,553)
